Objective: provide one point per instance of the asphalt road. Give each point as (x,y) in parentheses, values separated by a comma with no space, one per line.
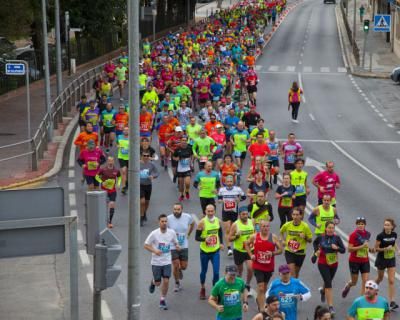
(336,123)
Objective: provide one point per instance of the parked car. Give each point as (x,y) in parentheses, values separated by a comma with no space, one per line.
(395,75)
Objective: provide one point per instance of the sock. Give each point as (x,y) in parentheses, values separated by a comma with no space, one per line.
(112,210)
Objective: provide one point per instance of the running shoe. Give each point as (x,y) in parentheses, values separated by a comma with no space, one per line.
(187,195)
(163,305)
(152,287)
(177,287)
(322,293)
(314,259)
(345,291)
(203,294)
(181,198)
(332,311)
(230,252)
(393,306)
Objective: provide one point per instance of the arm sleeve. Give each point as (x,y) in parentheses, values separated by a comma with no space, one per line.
(312,220)
(271,214)
(221,235)
(198,236)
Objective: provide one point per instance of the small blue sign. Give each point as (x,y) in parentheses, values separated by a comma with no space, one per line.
(15,69)
(382,23)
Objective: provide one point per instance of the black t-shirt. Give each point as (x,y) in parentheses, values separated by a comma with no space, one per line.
(386,240)
(183,153)
(254,187)
(150,150)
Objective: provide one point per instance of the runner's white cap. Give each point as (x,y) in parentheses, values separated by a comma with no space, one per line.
(372,284)
(178,129)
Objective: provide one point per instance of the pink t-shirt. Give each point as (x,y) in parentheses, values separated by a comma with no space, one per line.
(290,150)
(328,181)
(92,161)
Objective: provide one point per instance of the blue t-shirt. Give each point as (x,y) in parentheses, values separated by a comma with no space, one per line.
(231,122)
(365,310)
(216,89)
(286,292)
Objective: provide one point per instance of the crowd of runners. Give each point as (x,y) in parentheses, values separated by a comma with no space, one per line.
(199,120)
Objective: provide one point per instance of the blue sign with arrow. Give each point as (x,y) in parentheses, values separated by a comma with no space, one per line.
(382,23)
(15,69)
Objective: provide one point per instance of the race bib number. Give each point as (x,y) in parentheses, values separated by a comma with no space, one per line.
(230,205)
(163,247)
(184,162)
(290,158)
(389,254)
(124,150)
(362,253)
(92,165)
(204,90)
(286,202)
(181,238)
(237,154)
(231,298)
(120,126)
(264,257)
(331,258)
(144,127)
(144,174)
(300,189)
(109,184)
(211,241)
(293,245)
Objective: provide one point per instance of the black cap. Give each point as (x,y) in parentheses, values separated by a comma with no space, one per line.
(271,299)
(232,269)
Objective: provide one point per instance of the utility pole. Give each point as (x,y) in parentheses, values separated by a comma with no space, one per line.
(58,45)
(46,69)
(188,14)
(67,42)
(354,24)
(133,303)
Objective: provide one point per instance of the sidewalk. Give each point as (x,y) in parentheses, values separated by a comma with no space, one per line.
(383,59)
(203,10)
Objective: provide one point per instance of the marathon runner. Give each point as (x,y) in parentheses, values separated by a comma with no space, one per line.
(262,248)
(271,310)
(289,290)
(323,213)
(92,114)
(327,246)
(203,148)
(80,107)
(240,138)
(210,235)
(165,131)
(109,177)
(123,158)
(240,232)
(327,182)
(230,196)
(359,247)
(107,122)
(183,156)
(172,144)
(228,168)
(148,172)
(273,156)
(259,210)
(285,194)
(299,181)
(296,234)
(208,183)
(290,151)
(120,75)
(229,296)
(183,225)
(121,120)
(159,243)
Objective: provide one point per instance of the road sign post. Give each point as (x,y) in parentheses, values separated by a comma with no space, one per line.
(96,218)
(366,30)
(20,68)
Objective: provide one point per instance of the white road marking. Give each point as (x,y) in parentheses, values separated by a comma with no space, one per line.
(170,173)
(273,68)
(363,94)
(350,141)
(71,173)
(311,116)
(341,69)
(89,277)
(325,69)
(380,114)
(124,291)
(156,157)
(307,69)
(80,236)
(376,110)
(84,257)
(301,86)
(300,62)
(373,107)
(398,132)
(384,120)
(71,162)
(290,68)
(398,162)
(390,125)
(105,309)
(346,154)
(72,199)
(71,186)
(258,67)
(301,54)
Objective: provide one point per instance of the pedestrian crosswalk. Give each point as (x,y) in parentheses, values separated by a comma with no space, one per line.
(303,69)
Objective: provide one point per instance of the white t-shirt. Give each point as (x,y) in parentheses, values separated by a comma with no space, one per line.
(161,241)
(181,227)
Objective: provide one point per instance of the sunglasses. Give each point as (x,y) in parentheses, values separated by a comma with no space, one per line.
(146,156)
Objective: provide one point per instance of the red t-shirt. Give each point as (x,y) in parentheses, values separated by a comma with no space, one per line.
(359,256)
(328,181)
(257,149)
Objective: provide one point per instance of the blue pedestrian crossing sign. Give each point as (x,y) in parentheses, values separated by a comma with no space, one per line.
(382,23)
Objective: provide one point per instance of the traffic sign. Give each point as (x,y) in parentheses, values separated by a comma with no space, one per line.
(15,69)
(382,23)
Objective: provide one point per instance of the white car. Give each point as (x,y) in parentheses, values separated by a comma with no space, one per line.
(395,75)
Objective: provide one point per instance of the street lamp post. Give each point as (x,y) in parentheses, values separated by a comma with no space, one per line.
(46,69)
(354,24)
(133,301)
(58,45)
(154,14)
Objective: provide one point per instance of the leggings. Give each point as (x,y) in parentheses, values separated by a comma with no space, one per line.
(205,258)
(327,274)
(295,109)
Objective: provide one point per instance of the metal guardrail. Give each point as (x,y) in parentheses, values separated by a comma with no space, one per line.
(60,108)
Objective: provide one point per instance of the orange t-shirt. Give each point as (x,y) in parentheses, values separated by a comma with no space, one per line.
(164,132)
(251,60)
(146,121)
(228,171)
(121,121)
(173,122)
(210,127)
(83,138)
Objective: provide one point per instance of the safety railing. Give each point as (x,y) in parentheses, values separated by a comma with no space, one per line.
(60,107)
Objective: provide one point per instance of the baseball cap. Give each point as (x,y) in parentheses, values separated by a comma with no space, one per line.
(218,125)
(232,270)
(243,209)
(371,284)
(178,129)
(284,268)
(361,219)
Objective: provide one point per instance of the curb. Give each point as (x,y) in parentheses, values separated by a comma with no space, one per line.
(348,58)
(58,162)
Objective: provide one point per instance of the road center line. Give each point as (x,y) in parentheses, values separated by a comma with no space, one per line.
(71,161)
(72,200)
(301,86)
(84,257)
(311,116)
